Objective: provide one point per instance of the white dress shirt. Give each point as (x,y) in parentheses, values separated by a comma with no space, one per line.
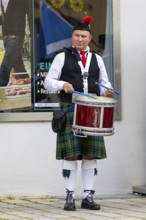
(53,84)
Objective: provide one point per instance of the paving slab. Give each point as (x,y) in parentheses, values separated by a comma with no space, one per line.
(130,207)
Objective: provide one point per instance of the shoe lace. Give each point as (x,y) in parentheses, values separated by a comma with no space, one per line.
(89,196)
(69,198)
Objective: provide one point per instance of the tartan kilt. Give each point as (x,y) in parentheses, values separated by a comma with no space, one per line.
(69,145)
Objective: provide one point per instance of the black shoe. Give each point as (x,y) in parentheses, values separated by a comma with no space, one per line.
(88,202)
(70,201)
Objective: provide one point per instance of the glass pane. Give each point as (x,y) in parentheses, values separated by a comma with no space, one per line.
(20,106)
(68,12)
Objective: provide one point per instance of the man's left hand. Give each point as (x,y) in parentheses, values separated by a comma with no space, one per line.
(108,93)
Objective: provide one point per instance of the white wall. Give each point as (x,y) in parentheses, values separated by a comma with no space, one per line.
(27,150)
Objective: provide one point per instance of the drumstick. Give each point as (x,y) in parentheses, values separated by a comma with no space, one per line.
(85,94)
(115,91)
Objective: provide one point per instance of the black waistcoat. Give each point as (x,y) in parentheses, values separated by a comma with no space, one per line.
(71,72)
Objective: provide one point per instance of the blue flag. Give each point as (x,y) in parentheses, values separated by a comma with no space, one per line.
(54,34)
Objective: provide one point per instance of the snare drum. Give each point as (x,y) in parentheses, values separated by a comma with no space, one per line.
(93,116)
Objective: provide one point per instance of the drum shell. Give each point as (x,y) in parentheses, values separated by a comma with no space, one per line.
(94,117)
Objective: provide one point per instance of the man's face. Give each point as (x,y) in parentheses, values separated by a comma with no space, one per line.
(81,39)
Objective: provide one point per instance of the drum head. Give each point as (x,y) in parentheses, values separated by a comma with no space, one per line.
(97,101)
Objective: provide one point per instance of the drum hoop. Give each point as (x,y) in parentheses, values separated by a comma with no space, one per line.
(91,128)
(98,134)
(81,132)
(101,104)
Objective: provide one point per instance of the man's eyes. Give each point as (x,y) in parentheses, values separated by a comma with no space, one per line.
(81,36)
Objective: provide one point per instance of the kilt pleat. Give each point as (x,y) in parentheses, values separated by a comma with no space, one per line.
(69,145)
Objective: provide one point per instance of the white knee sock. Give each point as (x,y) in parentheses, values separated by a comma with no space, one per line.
(88,174)
(69,180)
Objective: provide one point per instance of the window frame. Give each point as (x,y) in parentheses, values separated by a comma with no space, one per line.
(47,116)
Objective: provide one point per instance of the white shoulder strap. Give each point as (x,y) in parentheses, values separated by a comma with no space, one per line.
(85,70)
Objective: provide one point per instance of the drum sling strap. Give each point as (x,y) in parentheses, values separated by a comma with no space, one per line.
(84,70)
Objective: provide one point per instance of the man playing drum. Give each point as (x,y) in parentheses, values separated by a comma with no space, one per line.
(67,73)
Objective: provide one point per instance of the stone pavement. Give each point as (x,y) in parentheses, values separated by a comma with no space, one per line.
(130,207)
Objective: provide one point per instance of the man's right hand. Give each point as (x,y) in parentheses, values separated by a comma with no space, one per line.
(68,88)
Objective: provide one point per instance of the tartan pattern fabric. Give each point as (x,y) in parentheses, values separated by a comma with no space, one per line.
(69,145)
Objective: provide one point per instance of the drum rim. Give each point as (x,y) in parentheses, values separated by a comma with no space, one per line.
(101,100)
(101,104)
(88,129)
(88,132)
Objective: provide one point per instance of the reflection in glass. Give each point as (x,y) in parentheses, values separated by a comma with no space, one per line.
(72,12)
(15,56)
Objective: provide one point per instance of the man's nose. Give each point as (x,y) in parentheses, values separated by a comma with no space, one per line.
(80,38)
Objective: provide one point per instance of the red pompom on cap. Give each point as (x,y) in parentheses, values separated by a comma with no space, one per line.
(84,25)
(87,19)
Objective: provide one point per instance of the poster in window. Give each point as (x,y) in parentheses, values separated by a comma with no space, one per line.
(15,55)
